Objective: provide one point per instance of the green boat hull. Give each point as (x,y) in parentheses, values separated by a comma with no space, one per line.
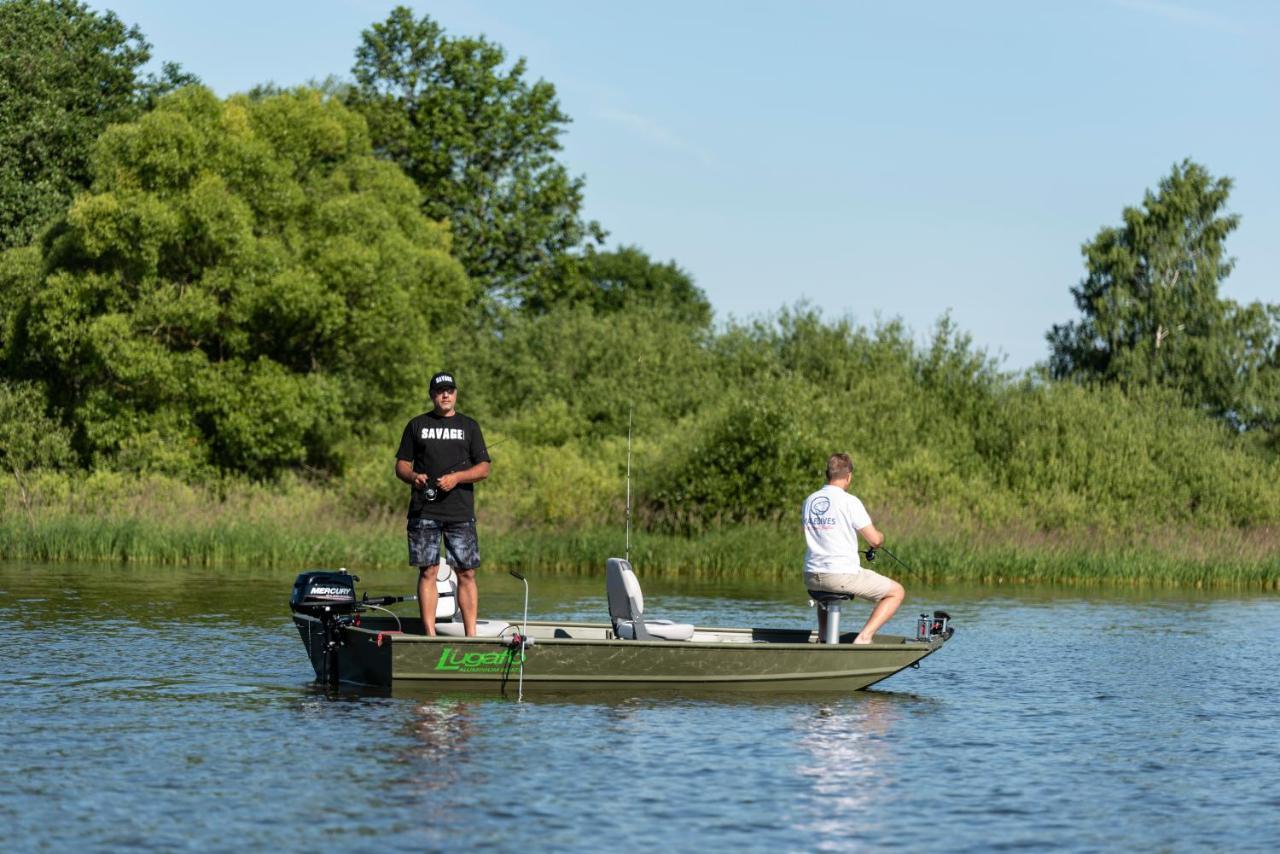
(587,656)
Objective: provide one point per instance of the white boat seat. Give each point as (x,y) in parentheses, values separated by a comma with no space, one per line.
(660,629)
(484,628)
(447,593)
(626,607)
(449,615)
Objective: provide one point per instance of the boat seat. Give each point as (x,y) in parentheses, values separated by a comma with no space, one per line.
(449,615)
(626,607)
(830,603)
(822,597)
(484,628)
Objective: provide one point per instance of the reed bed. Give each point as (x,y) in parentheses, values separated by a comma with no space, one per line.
(1238,560)
(107,516)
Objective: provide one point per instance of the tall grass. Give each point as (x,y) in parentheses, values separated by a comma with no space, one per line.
(157,521)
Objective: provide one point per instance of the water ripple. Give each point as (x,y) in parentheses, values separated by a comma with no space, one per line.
(170,710)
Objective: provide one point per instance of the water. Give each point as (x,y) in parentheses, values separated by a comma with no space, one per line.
(173,709)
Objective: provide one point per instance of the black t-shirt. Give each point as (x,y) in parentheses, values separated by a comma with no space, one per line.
(437,445)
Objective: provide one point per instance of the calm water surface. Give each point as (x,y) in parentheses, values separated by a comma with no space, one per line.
(173,709)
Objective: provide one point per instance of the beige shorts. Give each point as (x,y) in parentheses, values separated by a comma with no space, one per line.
(865,583)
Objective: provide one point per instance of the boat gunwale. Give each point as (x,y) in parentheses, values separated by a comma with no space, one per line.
(898,642)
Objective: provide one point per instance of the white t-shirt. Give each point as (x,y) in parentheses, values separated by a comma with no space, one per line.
(831,520)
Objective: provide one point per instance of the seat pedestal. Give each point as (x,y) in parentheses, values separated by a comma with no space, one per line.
(830,602)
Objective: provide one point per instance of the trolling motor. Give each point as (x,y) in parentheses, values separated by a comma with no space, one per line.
(928,628)
(330,598)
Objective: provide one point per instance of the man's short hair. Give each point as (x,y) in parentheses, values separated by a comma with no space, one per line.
(838,466)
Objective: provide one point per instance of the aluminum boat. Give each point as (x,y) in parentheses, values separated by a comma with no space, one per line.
(356,641)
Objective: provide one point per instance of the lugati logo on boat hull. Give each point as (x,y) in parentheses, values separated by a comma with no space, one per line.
(476,662)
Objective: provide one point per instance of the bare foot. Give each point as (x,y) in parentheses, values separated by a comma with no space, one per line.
(861,640)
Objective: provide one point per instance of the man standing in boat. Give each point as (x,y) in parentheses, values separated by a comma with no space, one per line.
(832,520)
(442,453)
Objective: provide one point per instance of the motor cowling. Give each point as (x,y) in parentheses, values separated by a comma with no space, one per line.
(324,592)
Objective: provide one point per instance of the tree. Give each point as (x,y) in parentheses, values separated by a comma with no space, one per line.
(480,141)
(66,73)
(244,286)
(575,372)
(621,279)
(29,439)
(1151,310)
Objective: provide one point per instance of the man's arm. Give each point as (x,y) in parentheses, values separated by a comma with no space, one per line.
(404,471)
(475,474)
(874,538)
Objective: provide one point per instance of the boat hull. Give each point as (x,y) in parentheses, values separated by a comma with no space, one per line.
(580,656)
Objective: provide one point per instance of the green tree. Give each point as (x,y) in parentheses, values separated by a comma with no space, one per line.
(29,439)
(66,73)
(244,286)
(481,143)
(576,373)
(621,279)
(1151,310)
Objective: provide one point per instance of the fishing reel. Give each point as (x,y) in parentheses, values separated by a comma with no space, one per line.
(871,555)
(432,491)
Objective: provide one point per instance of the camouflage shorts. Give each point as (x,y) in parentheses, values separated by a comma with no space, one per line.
(461,547)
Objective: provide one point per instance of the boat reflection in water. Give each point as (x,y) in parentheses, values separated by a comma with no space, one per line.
(850,761)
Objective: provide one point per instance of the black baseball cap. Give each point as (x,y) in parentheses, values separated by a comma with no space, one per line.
(443,380)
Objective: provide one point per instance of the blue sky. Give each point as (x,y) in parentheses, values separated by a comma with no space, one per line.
(878,160)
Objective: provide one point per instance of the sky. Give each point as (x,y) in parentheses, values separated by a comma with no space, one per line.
(875,160)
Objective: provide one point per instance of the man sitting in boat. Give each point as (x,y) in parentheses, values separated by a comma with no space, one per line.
(832,520)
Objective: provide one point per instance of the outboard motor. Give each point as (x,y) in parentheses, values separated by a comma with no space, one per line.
(329,597)
(323,591)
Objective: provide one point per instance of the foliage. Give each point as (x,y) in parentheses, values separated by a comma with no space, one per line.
(752,458)
(1102,457)
(29,439)
(481,143)
(244,291)
(66,73)
(20,278)
(574,373)
(244,286)
(620,279)
(935,425)
(1151,310)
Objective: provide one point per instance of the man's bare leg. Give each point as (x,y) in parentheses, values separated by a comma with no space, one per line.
(428,596)
(468,599)
(881,613)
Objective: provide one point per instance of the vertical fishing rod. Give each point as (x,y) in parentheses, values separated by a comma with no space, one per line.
(627,551)
(523,636)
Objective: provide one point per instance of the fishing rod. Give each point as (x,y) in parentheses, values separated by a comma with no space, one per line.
(871,555)
(433,492)
(627,550)
(521,641)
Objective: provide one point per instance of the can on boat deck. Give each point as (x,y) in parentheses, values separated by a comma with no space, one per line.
(922,627)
